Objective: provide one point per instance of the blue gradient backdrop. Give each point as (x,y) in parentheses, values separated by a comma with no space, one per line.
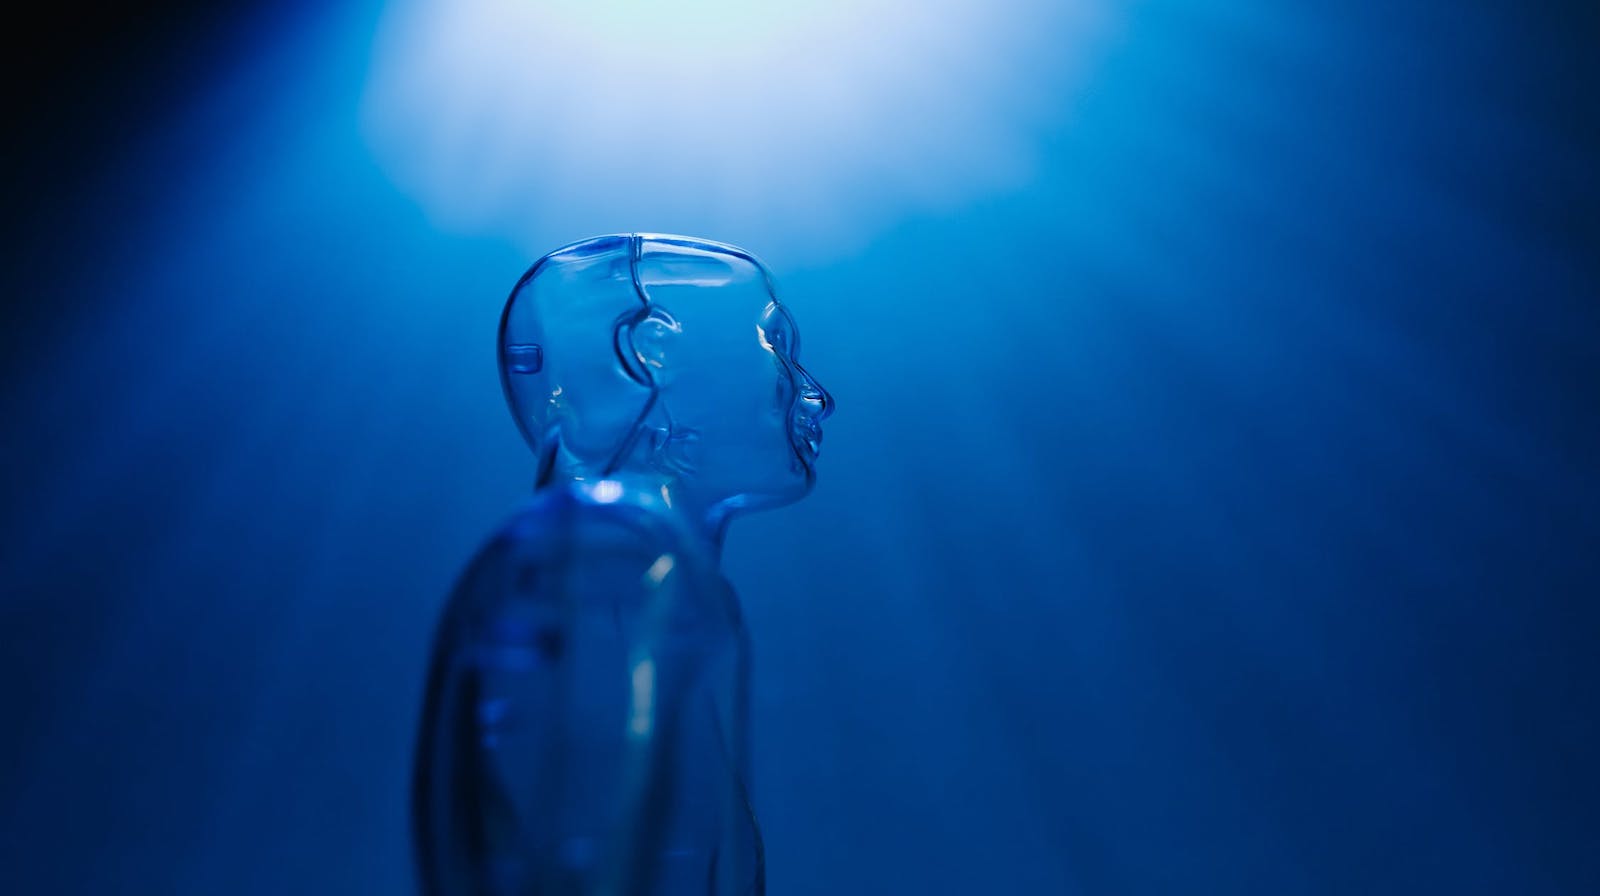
(1211,506)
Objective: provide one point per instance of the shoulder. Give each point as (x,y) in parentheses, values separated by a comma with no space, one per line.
(559,533)
(559,523)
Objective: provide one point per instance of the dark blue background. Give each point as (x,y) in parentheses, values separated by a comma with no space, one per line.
(1213,511)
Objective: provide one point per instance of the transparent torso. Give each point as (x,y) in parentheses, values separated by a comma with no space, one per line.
(584,722)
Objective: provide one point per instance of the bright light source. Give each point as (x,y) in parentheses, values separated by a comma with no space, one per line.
(817,121)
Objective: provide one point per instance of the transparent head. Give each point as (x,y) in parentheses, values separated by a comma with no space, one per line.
(665,356)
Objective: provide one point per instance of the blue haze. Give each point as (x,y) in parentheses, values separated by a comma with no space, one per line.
(1209,507)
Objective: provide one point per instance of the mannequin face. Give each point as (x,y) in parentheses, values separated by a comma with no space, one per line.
(736,417)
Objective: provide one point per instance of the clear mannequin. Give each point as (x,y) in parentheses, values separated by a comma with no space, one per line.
(584,724)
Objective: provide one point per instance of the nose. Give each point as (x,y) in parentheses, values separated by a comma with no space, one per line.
(815,401)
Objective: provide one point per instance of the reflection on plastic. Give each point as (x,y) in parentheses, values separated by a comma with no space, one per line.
(584,725)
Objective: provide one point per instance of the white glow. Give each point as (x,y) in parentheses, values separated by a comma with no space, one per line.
(818,121)
(607,491)
(658,571)
(644,687)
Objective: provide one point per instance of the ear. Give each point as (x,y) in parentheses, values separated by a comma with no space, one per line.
(649,345)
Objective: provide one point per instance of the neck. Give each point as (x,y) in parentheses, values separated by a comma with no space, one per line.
(661,496)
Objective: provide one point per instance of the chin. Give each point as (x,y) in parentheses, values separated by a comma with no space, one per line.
(799,485)
(794,487)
